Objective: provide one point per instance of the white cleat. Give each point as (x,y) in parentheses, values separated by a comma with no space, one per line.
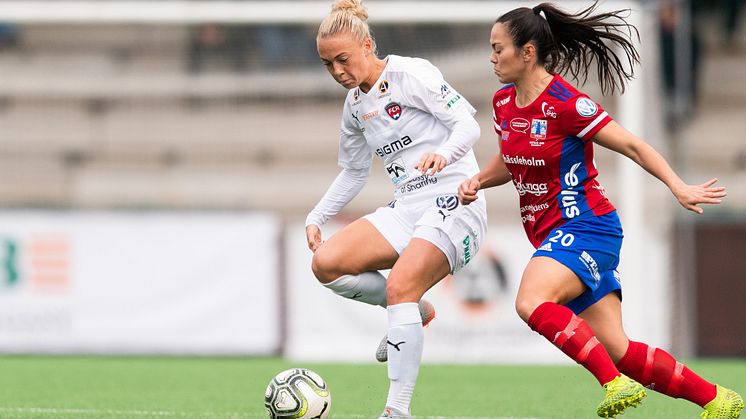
(427,313)
(391,413)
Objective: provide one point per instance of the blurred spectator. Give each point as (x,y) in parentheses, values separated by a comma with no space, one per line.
(681,92)
(285,46)
(221,44)
(9,36)
(732,11)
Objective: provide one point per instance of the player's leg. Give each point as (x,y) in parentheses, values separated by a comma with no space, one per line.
(420,266)
(349,261)
(545,286)
(654,367)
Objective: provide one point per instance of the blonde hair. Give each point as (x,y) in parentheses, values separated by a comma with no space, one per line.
(347,16)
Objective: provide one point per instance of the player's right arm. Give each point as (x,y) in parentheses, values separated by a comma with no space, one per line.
(355,159)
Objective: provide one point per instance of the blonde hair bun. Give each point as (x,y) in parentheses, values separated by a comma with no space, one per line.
(351,6)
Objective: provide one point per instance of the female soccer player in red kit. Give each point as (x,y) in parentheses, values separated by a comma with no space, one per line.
(570,291)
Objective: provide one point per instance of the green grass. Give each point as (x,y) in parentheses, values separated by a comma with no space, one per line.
(101,387)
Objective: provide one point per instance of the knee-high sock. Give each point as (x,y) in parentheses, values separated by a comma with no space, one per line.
(657,369)
(574,337)
(405,341)
(368,287)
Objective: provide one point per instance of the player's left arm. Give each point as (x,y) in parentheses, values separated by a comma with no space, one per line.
(614,137)
(428,91)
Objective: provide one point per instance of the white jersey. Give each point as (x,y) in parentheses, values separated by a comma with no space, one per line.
(410,110)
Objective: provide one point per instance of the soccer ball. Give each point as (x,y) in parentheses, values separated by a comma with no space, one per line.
(297,393)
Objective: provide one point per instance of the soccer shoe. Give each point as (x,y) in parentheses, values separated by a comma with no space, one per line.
(621,393)
(727,404)
(391,413)
(427,313)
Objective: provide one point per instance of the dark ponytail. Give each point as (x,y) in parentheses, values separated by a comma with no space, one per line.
(568,43)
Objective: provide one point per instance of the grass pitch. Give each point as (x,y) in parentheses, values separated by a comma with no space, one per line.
(104,387)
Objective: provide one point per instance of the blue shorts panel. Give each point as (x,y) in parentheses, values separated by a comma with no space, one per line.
(588,246)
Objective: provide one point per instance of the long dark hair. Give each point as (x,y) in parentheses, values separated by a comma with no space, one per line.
(568,43)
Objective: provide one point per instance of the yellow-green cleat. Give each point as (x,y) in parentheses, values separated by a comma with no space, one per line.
(621,393)
(727,404)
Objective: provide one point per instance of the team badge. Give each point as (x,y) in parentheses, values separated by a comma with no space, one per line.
(394,110)
(539,129)
(586,107)
(383,87)
(447,202)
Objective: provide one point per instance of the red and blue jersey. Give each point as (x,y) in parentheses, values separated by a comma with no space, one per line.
(547,149)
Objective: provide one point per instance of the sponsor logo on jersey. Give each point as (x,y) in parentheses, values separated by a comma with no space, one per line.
(453,101)
(591,264)
(444,91)
(539,129)
(397,171)
(394,146)
(394,110)
(534,208)
(537,189)
(523,161)
(568,197)
(383,86)
(391,204)
(502,102)
(519,125)
(447,202)
(418,183)
(586,107)
(467,249)
(359,124)
(548,110)
(370,115)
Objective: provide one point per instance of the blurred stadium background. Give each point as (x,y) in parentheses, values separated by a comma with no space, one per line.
(158,158)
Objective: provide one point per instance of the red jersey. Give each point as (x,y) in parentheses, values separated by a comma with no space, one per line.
(547,150)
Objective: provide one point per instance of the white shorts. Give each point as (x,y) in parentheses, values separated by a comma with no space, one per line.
(455,229)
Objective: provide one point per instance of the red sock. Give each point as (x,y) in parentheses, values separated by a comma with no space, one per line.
(575,338)
(658,370)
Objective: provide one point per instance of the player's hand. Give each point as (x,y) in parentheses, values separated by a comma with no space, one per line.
(690,196)
(467,191)
(431,161)
(313,236)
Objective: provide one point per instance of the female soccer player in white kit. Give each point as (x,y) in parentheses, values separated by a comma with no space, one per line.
(402,110)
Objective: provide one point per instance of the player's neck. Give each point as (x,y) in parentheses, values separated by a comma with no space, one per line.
(528,88)
(377,67)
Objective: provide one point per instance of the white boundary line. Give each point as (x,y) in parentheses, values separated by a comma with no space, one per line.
(176,413)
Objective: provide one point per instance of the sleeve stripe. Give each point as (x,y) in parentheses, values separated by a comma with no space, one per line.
(497,126)
(593,124)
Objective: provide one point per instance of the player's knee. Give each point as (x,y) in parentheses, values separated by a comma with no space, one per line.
(525,306)
(322,266)
(396,291)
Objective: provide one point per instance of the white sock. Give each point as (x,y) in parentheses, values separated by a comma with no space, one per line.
(405,353)
(368,287)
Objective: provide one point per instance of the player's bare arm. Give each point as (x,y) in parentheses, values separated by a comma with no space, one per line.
(614,137)
(494,174)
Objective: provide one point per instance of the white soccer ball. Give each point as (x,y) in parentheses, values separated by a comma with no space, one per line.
(297,393)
